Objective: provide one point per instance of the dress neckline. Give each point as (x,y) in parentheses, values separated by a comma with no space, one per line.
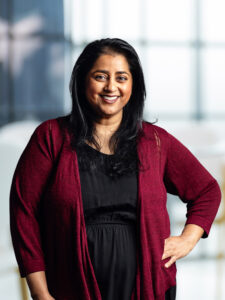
(99,152)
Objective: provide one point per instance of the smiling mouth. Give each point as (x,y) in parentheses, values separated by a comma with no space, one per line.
(110,99)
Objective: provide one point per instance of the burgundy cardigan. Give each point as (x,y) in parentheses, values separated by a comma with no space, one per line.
(47,220)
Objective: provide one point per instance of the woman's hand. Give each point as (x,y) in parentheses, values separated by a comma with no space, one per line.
(177,247)
(37,284)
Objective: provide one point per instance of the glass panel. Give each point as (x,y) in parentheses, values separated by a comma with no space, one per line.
(78,22)
(169,20)
(38,16)
(38,82)
(213,21)
(105,19)
(70,62)
(123,19)
(68,66)
(3,27)
(75,53)
(4,93)
(213,88)
(4,79)
(4,64)
(87,20)
(20,9)
(68,16)
(168,80)
(94,19)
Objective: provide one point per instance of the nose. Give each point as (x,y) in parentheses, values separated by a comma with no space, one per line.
(110,85)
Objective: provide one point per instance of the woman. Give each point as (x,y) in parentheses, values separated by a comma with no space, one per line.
(88,198)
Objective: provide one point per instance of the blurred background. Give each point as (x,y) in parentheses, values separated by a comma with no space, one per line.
(181,44)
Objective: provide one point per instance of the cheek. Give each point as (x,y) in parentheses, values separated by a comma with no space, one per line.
(128,90)
(91,90)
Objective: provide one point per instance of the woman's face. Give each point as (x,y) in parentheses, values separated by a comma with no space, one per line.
(109,85)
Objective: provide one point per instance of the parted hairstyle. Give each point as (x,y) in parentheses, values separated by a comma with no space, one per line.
(83,116)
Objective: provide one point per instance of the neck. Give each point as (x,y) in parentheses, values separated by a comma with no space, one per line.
(106,127)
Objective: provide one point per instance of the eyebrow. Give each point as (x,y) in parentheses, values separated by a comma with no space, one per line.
(107,72)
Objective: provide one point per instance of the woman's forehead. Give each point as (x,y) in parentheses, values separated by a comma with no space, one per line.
(114,62)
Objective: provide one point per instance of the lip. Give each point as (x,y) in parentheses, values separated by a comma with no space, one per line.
(108,100)
(109,95)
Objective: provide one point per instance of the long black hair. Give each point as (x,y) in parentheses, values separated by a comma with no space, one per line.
(82,116)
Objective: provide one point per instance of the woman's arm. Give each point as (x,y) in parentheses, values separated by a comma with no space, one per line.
(192,233)
(29,181)
(186,177)
(38,286)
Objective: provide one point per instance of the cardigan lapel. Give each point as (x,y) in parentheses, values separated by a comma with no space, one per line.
(89,279)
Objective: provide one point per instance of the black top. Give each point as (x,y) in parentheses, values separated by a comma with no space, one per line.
(110,206)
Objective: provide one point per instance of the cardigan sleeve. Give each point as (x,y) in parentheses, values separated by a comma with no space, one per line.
(29,180)
(187,178)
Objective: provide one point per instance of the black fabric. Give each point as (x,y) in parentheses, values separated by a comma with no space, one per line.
(171,293)
(110,206)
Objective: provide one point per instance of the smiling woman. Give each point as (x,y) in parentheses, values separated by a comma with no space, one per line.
(108,90)
(88,202)
(109,86)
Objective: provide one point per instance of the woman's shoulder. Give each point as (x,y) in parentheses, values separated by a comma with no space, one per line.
(55,126)
(151,130)
(52,134)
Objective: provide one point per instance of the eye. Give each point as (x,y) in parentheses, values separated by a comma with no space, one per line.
(122,78)
(100,77)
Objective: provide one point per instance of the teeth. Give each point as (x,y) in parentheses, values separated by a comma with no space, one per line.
(110,98)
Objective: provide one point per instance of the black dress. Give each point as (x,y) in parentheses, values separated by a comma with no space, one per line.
(110,216)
